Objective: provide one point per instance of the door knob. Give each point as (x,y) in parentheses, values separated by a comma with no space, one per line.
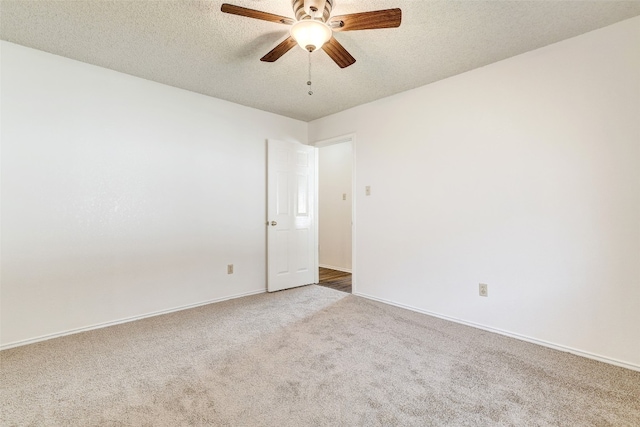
(274,223)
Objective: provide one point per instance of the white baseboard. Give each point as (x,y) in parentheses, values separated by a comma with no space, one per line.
(125,320)
(559,347)
(333,267)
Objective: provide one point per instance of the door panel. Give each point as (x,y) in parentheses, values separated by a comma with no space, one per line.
(291,215)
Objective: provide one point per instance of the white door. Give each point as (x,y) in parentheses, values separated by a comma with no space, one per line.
(292,257)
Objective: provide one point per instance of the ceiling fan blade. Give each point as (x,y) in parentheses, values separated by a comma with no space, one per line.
(279,50)
(338,53)
(256,14)
(387,18)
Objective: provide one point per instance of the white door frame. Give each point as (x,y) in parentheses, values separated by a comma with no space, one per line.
(351,137)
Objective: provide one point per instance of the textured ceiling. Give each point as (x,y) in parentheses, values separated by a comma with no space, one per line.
(192,45)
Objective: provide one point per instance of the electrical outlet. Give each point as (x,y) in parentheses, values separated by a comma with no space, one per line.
(484,290)
(344,196)
(230,269)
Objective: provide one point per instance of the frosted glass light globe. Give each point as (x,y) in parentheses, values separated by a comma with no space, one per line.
(310,34)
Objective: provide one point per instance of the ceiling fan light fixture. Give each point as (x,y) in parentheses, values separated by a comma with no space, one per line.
(310,34)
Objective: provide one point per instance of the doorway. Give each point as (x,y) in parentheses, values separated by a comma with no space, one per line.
(335,279)
(336,212)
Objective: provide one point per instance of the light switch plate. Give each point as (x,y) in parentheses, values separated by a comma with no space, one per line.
(483,290)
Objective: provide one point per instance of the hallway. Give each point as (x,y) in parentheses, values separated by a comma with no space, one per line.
(334,279)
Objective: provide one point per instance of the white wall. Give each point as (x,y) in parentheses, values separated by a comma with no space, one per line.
(524,175)
(122,197)
(334,216)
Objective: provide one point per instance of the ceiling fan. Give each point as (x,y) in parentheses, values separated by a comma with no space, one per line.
(313,27)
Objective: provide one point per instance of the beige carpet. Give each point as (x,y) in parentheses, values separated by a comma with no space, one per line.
(310,356)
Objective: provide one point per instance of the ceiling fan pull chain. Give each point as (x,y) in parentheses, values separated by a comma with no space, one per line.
(309,81)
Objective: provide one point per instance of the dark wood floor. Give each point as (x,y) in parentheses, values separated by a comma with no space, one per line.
(334,279)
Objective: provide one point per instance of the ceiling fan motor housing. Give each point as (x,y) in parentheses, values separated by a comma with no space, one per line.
(301,12)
